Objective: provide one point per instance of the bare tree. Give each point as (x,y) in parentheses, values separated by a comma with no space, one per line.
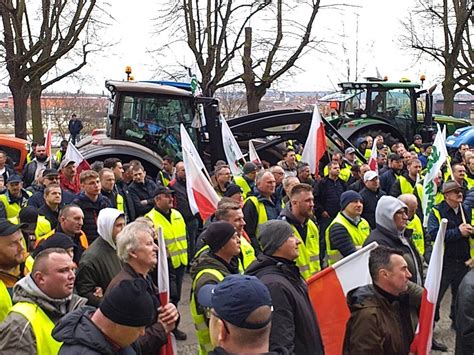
(441,30)
(231,102)
(36,39)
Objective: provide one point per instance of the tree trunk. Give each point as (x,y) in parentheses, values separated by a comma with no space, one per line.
(37,122)
(20,93)
(448,89)
(254,97)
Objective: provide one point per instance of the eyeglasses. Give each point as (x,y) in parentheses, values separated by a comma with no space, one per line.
(52,177)
(223,321)
(402,212)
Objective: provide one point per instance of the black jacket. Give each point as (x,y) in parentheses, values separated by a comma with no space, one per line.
(37,199)
(81,337)
(465,316)
(371,199)
(122,188)
(50,215)
(387,179)
(396,188)
(327,194)
(181,202)
(294,324)
(139,192)
(91,211)
(75,126)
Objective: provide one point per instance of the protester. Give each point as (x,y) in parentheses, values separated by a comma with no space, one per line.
(99,264)
(138,252)
(209,269)
(304,174)
(371,194)
(389,177)
(68,176)
(465,316)
(12,255)
(41,299)
(111,329)
(288,183)
(415,226)
(75,127)
(91,201)
(120,187)
(289,163)
(40,162)
(298,214)
(61,153)
(48,213)
(5,169)
(247,180)
(167,173)
(348,231)
(107,182)
(405,183)
(240,315)
(260,208)
(380,321)
(14,199)
(223,177)
(142,191)
(173,227)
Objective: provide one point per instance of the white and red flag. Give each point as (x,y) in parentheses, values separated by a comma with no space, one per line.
(232,151)
(253,156)
(163,284)
(424,333)
(75,155)
(327,292)
(373,158)
(202,197)
(315,145)
(48,142)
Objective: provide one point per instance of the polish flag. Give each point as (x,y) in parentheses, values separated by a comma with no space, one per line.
(424,333)
(253,156)
(315,145)
(164,289)
(75,155)
(327,291)
(48,142)
(232,151)
(201,195)
(373,158)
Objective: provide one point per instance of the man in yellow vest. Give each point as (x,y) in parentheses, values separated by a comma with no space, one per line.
(12,255)
(415,225)
(210,269)
(107,180)
(41,299)
(173,226)
(167,173)
(348,231)
(405,183)
(458,241)
(299,214)
(48,214)
(247,180)
(15,198)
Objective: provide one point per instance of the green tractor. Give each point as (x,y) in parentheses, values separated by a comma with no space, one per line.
(397,111)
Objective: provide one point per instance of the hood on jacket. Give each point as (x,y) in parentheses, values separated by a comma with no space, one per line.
(361,297)
(265,264)
(26,290)
(82,196)
(105,224)
(76,328)
(385,211)
(206,261)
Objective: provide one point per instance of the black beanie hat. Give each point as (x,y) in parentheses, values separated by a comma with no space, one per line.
(57,240)
(232,189)
(129,304)
(348,197)
(218,234)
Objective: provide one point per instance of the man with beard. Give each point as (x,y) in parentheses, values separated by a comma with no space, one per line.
(405,183)
(48,213)
(41,299)
(40,162)
(298,214)
(389,177)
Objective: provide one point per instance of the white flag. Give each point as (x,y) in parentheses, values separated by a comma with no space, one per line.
(435,160)
(231,149)
(187,143)
(253,156)
(315,145)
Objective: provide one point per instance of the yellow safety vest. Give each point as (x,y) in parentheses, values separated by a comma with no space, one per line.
(308,258)
(42,327)
(471,240)
(165,181)
(344,174)
(367,154)
(419,192)
(5,301)
(357,233)
(202,329)
(43,227)
(261,211)
(470,182)
(29,261)
(248,254)
(13,209)
(82,239)
(59,156)
(244,185)
(415,148)
(120,204)
(417,237)
(174,234)
(405,185)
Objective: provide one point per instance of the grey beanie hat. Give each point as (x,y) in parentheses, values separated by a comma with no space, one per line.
(273,234)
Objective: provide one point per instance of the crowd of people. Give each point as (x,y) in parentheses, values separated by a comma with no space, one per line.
(79,254)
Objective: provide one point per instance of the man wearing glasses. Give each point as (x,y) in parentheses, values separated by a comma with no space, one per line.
(48,177)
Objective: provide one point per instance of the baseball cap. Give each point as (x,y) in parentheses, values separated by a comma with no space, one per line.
(50,172)
(7,228)
(451,185)
(370,175)
(14,178)
(349,150)
(66,162)
(416,136)
(163,190)
(249,167)
(235,298)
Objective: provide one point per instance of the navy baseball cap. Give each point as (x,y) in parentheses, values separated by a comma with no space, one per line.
(235,298)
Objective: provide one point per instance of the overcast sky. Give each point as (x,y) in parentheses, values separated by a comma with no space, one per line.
(379,31)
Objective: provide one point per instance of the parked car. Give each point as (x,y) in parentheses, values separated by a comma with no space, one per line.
(463,135)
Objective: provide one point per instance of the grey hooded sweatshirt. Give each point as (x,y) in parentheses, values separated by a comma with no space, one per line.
(99,264)
(16,334)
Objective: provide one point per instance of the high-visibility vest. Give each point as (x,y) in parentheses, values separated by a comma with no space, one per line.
(164,180)
(405,186)
(469,181)
(82,239)
(344,174)
(415,148)
(59,156)
(471,240)
(308,258)
(202,329)
(42,327)
(261,212)
(29,261)
(5,301)
(248,254)
(417,237)
(244,185)
(120,203)
(367,154)
(43,226)
(174,233)
(419,191)
(357,233)
(13,209)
